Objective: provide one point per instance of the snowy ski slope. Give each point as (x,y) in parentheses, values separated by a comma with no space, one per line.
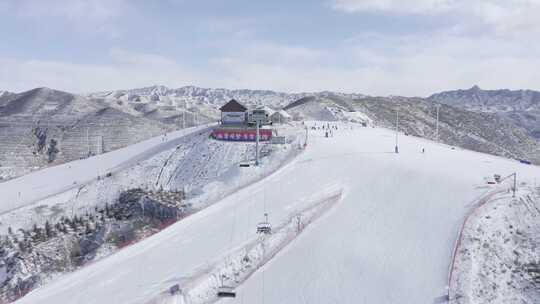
(389,240)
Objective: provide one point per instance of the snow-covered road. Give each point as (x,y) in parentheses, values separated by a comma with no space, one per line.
(389,241)
(27,189)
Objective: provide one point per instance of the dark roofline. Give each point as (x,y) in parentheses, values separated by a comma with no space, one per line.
(233,106)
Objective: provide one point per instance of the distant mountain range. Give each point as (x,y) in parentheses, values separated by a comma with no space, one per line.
(522,107)
(474,119)
(43,126)
(191,96)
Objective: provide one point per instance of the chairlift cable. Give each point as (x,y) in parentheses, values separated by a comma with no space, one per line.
(232,227)
(264,198)
(262,294)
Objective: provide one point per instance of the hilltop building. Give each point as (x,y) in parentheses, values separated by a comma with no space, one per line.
(233,113)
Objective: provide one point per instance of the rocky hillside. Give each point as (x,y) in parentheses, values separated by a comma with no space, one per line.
(483,132)
(522,107)
(44,127)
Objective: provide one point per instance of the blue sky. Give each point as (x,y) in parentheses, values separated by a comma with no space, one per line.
(377,47)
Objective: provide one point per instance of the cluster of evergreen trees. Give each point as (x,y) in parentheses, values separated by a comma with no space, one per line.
(25,239)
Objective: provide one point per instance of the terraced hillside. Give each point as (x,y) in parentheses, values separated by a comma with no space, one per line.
(44,127)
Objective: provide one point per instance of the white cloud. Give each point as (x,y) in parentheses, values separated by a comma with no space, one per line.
(82,16)
(413,65)
(71,9)
(126,70)
(503,16)
(400,6)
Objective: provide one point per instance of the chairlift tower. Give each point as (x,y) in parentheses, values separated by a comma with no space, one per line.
(307,135)
(99,144)
(514,187)
(257,145)
(437,126)
(87,142)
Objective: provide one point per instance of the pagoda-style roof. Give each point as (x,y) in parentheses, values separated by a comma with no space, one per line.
(233,106)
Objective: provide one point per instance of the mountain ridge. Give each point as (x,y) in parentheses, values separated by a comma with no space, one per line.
(78,123)
(521,107)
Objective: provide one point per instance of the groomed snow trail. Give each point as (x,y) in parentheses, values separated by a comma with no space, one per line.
(389,240)
(235,267)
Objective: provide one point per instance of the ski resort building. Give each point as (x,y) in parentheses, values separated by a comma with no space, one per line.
(280,117)
(261,114)
(238,124)
(233,113)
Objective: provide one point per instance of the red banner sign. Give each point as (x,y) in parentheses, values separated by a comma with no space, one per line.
(241,135)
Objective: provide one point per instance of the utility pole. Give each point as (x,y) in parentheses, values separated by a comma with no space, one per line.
(397,130)
(307,135)
(514,188)
(257,145)
(515,185)
(87,142)
(437,125)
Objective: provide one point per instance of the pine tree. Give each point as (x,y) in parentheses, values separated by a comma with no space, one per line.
(48,230)
(22,246)
(88,229)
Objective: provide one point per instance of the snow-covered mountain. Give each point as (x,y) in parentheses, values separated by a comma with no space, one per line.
(522,107)
(191,95)
(44,126)
(466,128)
(476,99)
(4,93)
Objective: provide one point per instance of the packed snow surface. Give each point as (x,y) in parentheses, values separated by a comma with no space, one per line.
(389,240)
(497,257)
